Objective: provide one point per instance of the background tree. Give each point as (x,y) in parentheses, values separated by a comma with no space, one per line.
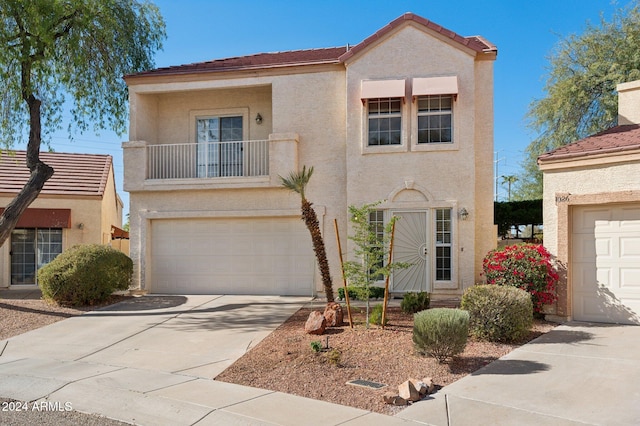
(297,182)
(509,180)
(581,84)
(76,51)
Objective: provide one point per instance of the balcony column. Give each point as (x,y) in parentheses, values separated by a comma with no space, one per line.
(135,164)
(283,156)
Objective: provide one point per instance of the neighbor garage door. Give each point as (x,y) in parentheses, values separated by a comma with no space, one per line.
(605,263)
(231,256)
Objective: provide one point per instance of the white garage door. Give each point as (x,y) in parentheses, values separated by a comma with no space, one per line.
(605,264)
(231,256)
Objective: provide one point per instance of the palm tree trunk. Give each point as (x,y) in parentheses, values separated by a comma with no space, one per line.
(311,220)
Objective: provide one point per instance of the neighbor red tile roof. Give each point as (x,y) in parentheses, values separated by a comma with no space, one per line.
(331,55)
(74,174)
(612,141)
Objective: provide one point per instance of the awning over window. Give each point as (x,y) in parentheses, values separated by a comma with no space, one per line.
(435,86)
(44,218)
(372,89)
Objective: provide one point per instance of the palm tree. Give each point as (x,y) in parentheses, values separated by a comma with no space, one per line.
(509,180)
(297,182)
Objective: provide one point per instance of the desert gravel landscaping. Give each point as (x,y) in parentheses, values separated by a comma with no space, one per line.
(285,362)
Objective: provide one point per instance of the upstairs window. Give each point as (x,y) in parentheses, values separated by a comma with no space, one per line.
(435,119)
(385,121)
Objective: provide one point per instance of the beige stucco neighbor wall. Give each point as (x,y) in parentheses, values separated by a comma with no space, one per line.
(86,226)
(91,220)
(629,102)
(589,184)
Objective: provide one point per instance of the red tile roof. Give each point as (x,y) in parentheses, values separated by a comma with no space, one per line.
(476,43)
(612,141)
(74,174)
(331,55)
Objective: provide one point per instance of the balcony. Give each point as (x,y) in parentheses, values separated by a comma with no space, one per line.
(208,160)
(238,164)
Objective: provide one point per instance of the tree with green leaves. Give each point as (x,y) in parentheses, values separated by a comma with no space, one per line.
(371,251)
(580,87)
(59,52)
(297,182)
(509,180)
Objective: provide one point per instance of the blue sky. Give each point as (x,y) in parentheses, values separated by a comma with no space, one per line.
(524,31)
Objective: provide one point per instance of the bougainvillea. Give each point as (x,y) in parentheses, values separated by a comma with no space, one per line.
(526,266)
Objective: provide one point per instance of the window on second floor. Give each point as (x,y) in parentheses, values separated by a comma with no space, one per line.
(385,121)
(435,119)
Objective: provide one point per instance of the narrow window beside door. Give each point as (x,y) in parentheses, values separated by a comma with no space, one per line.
(443,245)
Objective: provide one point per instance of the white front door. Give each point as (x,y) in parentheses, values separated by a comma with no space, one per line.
(605,264)
(411,245)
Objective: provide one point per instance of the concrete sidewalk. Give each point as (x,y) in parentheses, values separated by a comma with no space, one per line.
(150,361)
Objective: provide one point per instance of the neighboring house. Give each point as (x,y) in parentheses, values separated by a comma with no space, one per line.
(404,117)
(592,218)
(78,205)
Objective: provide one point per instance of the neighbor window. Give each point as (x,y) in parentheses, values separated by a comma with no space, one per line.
(443,245)
(385,121)
(435,119)
(31,249)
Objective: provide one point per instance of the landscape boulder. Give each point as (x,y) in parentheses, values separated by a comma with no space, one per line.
(394,399)
(333,314)
(408,392)
(316,323)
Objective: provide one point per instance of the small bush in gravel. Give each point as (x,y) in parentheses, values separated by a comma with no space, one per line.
(316,346)
(375,317)
(85,275)
(498,313)
(415,302)
(441,332)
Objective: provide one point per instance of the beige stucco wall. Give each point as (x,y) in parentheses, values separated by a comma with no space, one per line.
(321,106)
(629,102)
(86,211)
(448,175)
(284,103)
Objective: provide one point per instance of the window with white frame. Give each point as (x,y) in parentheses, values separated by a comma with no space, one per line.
(435,119)
(219,146)
(443,245)
(385,121)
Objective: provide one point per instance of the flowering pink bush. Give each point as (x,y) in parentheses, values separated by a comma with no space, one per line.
(526,266)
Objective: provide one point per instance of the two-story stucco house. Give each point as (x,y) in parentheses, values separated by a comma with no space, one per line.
(405,117)
(78,205)
(592,218)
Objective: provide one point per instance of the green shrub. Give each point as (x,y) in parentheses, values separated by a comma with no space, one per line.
(359,293)
(375,316)
(415,302)
(441,333)
(525,266)
(316,345)
(85,275)
(498,313)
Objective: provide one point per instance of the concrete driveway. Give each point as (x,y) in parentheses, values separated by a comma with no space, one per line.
(150,361)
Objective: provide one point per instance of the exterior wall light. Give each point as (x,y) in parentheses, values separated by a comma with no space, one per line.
(463,214)
(258,119)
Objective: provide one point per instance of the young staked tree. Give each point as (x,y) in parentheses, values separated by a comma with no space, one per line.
(371,251)
(297,182)
(55,53)
(581,97)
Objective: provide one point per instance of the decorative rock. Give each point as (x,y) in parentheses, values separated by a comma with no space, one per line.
(333,314)
(409,392)
(431,387)
(316,323)
(393,399)
(420,386)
